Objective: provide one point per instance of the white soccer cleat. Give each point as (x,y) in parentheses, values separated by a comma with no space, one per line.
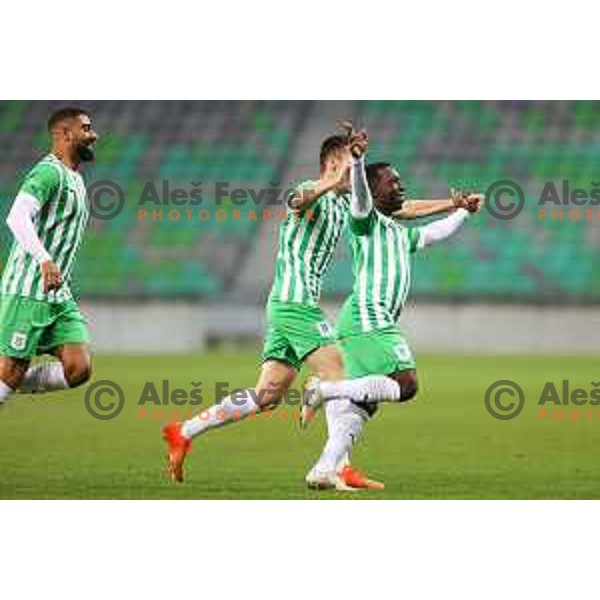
(321,480)
(312,399)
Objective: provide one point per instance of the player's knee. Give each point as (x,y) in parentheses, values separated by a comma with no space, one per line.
(328,364)
(78,372)
(273,383)
(333,371)
(409,386)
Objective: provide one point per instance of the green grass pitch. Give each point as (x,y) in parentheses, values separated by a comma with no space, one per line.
(443,445)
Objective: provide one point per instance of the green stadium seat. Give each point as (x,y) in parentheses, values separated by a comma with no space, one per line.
(434,144)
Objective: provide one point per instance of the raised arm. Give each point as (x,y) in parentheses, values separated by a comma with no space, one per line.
(361,202)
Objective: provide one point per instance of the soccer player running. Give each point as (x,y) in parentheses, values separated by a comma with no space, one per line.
(297,330)
(366,326)
(37,312)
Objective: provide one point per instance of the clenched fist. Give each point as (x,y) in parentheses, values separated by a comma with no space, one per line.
(51,276)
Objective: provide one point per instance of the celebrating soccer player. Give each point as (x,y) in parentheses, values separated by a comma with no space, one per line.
(37,312)
(367,333)
(297,330)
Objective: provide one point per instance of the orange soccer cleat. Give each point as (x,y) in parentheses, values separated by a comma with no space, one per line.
(354,478)
(178,447)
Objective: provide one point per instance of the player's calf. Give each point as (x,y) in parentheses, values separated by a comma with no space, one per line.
(76,364)
(77,374)
(71,370)
(407,380)
(275,379)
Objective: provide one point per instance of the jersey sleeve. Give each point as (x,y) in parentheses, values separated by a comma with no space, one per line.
(414,235)
(42,182)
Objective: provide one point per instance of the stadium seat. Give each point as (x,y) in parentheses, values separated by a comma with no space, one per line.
(435,145)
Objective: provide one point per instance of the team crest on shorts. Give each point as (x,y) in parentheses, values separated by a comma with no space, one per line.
(402,352)
(325,329)
(19,340)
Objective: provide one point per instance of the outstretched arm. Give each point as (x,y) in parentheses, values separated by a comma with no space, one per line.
(414,209)
(442,229)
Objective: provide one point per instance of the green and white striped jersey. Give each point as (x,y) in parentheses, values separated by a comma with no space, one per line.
(59,224)
(381,249)
(306,245)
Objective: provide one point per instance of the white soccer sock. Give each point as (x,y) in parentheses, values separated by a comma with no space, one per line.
(332,412)
(227,411)
(5,392)
(372,388)
(345,426)
(46,377)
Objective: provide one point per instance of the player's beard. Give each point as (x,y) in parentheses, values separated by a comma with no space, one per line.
(85,153)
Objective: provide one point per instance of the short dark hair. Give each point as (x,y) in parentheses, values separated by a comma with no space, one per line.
(333,143)
(62,114)
(373,171)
